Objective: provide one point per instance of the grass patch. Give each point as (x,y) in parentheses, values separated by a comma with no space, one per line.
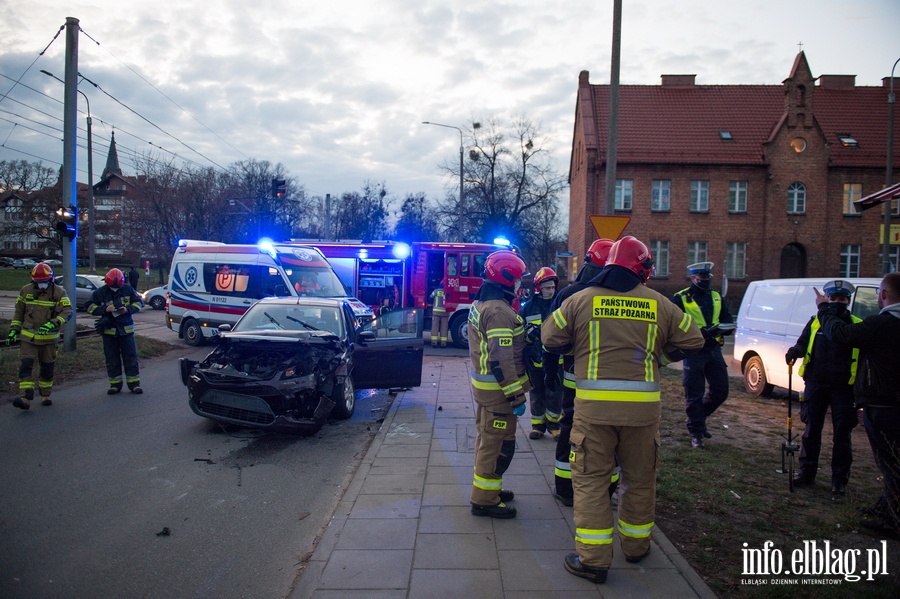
(712,501)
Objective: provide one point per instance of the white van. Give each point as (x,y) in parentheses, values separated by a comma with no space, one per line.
(771,318)
(212,283)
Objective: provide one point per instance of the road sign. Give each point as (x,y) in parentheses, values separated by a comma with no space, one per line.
(564,254)
(609,227)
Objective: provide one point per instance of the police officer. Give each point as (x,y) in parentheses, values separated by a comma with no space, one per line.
(114,303)
(829,370)
(594,261)
(619,331)
(706,307)
(439,317)
(544,403)
(499,381)
(42,308)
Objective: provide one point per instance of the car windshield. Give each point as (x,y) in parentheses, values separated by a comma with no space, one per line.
(282,317)
(316,282)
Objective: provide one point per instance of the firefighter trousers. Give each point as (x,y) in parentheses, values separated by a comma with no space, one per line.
(545,405)
(45,356)
(593,459)
(495,445)
(439,324)
(119,350)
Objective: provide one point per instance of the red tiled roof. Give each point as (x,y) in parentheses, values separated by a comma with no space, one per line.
(681,124)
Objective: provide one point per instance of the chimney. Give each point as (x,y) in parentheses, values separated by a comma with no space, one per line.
(837,81)
(678,80)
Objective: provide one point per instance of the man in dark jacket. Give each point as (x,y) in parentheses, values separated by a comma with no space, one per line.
(877,391)
(829,370)
(114,303)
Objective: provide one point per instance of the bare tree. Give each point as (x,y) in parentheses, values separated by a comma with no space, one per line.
(417,220)
(361,215)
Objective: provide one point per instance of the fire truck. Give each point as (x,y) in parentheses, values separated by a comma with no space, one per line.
(404,275)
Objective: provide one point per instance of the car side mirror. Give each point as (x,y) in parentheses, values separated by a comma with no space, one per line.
(366,337)
(224,328)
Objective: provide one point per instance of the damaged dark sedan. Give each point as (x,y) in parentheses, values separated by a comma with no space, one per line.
(290,363)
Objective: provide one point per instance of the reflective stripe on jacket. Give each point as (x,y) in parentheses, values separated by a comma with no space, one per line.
(496,344)
(814,327)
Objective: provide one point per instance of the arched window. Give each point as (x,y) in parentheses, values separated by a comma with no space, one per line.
(796,198)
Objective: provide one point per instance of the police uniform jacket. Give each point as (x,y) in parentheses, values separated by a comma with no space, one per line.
(824,361)
(878,376)
(35,307)
(496,347)
(618,339)
(115,323)
(707,309)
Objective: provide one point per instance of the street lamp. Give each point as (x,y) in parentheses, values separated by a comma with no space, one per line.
(91,255)
(886,234)
(461,207)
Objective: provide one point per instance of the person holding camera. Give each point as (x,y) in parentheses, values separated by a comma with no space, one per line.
(114,303)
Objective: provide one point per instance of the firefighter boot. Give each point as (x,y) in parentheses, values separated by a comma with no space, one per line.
(46,401)
(21,403)
(574,566)
(500,511)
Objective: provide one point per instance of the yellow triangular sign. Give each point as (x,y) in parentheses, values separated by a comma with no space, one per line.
(609,227)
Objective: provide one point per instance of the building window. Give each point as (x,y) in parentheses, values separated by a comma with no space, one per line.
(895,207)
(894,257)
(737,196)
(659,249)
(699,196)
(849,261)
(696,252)
(796,198)
(852,192)
(659,195)
(623,194)
(736,259)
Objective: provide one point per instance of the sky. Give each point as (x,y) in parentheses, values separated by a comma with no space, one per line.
(337,91)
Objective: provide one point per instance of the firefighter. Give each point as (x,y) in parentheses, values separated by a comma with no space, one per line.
(829,371)
(499,380)
(619,332)
(544,403)
(42,308)
(114,303)
(706,307)
(439,317)
(594,261)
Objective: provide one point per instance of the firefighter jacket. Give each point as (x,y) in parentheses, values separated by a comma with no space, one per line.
(824,361)
(496,347)
(534,312)
(118,322)
(618,339)
(35,307)
(878,378)
(438,302)
(707,309)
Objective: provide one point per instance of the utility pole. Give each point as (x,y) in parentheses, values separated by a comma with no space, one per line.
(612,146)
(70,182)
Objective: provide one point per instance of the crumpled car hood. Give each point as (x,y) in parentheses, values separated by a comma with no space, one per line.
(248,357)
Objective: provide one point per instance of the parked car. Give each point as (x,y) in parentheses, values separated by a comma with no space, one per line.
(54,263)
(289,363)
(85,286)
(4,261)
(156,297)
(26,263)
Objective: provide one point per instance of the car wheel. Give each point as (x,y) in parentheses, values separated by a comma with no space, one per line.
(459,329)
(344,398)
(193,334)
(157,302)
(755,381)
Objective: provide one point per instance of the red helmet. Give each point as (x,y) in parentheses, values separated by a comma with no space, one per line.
(544,274)
(505,268)
(114,278)
(633,255)
(42,273)
(598,253)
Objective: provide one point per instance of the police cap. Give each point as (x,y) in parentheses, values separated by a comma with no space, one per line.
(701,268)
(839,287)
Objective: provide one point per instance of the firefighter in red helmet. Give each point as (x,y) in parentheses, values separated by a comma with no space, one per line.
(499,380)
(545,404)
(619,331)
(114,303)
(42,308)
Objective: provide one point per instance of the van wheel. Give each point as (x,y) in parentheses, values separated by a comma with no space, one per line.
(344,398)
(755,381)
(193,334)
(459,329)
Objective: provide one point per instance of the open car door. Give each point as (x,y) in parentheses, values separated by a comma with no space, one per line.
(388,351)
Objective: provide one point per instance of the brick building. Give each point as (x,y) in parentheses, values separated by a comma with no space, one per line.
(759,179)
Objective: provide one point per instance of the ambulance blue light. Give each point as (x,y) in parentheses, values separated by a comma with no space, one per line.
(501,241)
(267,247)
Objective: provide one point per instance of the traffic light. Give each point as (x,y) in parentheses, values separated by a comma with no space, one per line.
(279,187)
(67,225)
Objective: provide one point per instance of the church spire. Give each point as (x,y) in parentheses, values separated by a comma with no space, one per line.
(112,160)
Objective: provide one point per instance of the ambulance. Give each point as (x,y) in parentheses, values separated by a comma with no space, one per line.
(213,283)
